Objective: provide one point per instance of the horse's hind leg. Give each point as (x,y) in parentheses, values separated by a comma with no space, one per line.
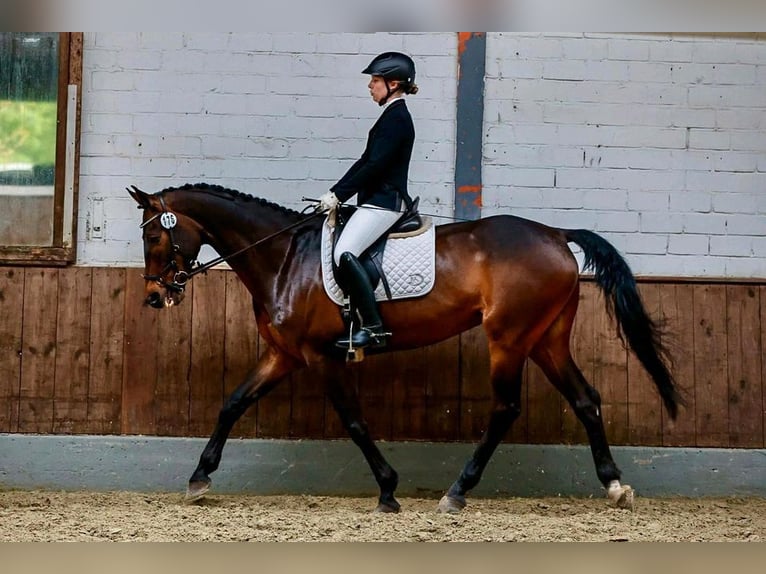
(346,403)
(553,356)
(270,369)
(506,373)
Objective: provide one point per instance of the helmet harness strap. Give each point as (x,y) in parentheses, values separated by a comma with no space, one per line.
(383,101)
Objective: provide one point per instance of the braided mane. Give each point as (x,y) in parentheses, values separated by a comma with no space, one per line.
(233,194)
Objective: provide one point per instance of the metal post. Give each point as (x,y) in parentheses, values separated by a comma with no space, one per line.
(472,49)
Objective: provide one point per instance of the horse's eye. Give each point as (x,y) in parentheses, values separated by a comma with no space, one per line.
(153,239)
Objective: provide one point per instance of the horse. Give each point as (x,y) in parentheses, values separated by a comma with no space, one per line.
(516,277)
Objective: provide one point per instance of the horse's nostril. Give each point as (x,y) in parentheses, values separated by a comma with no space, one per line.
(154,299)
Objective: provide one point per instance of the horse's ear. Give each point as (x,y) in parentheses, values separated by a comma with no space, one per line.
(141,197)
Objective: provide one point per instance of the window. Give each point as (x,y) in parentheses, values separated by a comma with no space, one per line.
(40,85)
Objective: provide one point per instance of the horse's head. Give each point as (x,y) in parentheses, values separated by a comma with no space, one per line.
(171,244)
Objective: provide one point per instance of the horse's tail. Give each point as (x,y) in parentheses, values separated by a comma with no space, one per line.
(623,301)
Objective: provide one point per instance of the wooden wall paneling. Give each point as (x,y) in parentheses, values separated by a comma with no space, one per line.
(762,294)
(543,407)
(406,371)
(38,360)
(475,388)
(139,375)
(744,366)
(207,352)
(711,365)
(583,333)
(677,311)
(172,386)
(644,403)
(81,354)
(610,375)
(442,420)
(376,393)
(107,342)
(72,365)
(11,311)
(333,427)
(240,348)
(307,403)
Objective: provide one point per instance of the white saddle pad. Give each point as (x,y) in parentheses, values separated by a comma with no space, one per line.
(409,264)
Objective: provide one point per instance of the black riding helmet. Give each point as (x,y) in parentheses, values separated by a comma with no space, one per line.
(393,66)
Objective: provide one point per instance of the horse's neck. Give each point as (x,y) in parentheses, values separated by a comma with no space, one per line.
(231,225)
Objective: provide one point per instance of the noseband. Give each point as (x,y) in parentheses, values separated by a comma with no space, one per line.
(168,221)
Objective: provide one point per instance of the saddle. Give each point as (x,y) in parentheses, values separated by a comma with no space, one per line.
(410,223)
(400,264)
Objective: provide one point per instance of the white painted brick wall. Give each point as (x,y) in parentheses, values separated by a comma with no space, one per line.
(276,115)
(656,141)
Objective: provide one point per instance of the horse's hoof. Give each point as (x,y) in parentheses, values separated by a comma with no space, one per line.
(626,498)
(622,497)
(389,505)
(451,504)
(387,508)
(197,489)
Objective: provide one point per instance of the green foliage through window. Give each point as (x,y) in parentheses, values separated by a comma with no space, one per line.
(28,107)
(27,132)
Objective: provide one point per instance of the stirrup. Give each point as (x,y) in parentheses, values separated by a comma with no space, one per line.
(364,337)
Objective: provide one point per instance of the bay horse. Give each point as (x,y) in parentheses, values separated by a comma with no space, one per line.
(516,277)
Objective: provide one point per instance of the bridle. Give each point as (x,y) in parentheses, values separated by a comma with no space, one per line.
(181,277)
(168,221)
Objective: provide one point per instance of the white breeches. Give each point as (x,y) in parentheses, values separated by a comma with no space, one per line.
(362,229)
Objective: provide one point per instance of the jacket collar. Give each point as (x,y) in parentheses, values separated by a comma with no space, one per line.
(390,103)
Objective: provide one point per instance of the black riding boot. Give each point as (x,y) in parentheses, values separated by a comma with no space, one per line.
(360,290)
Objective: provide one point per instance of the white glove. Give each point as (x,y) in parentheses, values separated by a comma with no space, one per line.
(328,201)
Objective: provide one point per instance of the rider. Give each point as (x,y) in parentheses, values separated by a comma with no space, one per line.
(379,179)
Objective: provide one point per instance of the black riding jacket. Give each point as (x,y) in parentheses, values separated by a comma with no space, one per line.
(379,177)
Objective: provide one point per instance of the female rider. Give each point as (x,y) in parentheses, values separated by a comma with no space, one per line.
(379,180)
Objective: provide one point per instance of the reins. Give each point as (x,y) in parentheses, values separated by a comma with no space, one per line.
(213,262)
(181,277)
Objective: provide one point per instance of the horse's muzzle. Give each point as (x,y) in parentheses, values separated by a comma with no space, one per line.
(156,299)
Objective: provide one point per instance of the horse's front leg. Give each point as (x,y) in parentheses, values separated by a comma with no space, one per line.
(346,402)
(271,368)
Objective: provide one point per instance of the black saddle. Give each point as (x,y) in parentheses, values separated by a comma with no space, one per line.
(409,221)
